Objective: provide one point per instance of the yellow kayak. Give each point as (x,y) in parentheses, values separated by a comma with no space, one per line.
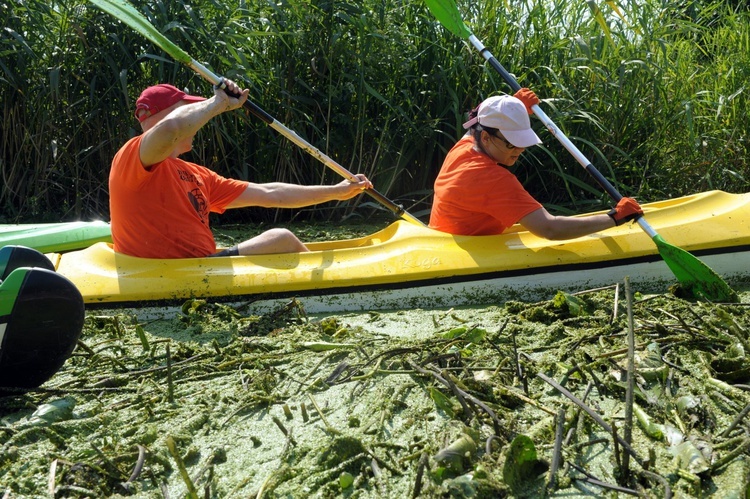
(406,265)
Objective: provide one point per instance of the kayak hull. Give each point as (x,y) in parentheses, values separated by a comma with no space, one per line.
(406,266)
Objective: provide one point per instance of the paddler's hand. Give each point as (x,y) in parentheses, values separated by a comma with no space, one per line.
(349,188)
(528,97)
(627,209)
(229,95)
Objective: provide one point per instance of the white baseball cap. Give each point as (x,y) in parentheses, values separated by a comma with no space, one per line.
(508,115)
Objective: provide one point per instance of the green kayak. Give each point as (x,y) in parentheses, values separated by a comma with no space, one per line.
(55,237)
(41,318)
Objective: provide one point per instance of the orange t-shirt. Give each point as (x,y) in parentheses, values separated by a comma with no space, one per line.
(162,212)
(476,196)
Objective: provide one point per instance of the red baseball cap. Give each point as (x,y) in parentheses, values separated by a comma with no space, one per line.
(160,97)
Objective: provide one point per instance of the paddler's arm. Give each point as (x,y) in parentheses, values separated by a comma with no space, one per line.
(541,223)
(172,135)
(283,195)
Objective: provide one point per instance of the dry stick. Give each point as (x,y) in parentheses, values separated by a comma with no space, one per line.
(283,429)
(315,369)
(557,453)
(161,368)
(467,396)
(618,461)
(387,466)
(418,479)
(466,409)
(616,302)
(588,443)
(661,480)
(736,421)
(591,413)
(52,478)
(615,286)
(742,448)
(519,370)
(520,396)
(322,417)
(107,461)
(621,351)
(595,290)
(577,416)
(138,465)
(488,444)
(164,489)
(630,391)
(595,481)
(170,384)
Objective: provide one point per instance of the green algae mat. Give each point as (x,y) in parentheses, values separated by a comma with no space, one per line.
(593,394)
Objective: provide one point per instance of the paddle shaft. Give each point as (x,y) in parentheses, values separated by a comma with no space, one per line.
(557,133)
(698,279)
(125,12)
(306,146)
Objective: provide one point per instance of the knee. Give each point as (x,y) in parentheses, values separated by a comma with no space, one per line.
(287,240)
(273,241)
(284,235)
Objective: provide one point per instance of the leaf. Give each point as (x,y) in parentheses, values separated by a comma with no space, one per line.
(688,457)
(521,465)
(53,412)
(476,335)
(569,303)
(454,333)
(458,452)
(442,401)
(471,335)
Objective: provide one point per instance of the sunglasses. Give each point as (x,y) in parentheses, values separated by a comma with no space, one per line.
(510,146)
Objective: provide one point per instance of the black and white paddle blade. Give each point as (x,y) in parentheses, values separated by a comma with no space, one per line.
(41,318)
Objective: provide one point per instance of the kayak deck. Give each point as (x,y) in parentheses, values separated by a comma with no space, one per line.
(58,237)
(414,263)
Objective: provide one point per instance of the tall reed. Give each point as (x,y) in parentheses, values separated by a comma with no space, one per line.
(652,92)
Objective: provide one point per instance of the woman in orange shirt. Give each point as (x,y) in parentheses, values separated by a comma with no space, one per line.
(476,194)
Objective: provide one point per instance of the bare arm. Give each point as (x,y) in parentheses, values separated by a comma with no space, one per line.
(541,223)
(283,195)
(170,135)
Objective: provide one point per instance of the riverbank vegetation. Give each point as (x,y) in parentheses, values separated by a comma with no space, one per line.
(653,93)
(594,394)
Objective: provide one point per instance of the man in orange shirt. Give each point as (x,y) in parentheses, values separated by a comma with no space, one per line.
(476,194)
(159,203)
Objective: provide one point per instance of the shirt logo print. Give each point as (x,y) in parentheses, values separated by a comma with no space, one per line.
(199,203)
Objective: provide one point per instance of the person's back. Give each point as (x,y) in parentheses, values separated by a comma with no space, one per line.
(162,211)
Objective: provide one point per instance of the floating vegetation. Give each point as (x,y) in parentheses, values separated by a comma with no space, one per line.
(588,394)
